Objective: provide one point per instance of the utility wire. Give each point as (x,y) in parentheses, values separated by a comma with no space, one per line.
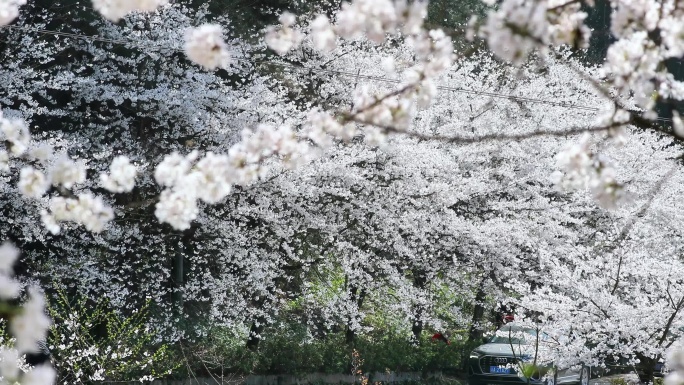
(94,38)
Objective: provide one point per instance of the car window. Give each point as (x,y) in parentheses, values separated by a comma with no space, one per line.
(515,335)
(507,340)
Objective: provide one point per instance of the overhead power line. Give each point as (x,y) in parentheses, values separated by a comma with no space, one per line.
(94,38)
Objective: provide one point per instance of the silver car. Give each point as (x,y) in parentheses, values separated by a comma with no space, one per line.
(502,360)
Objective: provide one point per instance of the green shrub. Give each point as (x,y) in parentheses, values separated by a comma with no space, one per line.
(618,381)
(90,342)
(288,349)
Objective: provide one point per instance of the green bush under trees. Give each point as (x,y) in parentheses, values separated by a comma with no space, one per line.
(288,350)
(90,342)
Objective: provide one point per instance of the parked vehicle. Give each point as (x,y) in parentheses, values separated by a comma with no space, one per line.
(502,359)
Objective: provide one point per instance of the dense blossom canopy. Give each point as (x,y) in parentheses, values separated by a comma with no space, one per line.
(375,155)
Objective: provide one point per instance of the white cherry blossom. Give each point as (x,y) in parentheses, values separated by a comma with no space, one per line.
(9,10)
(33,183)
(121,177)
(204,45)
(4,162)
(284,38)
(8,256)
(178,208)
(31,325)
(16,133)
(40,375)
(115,10)
(67,172)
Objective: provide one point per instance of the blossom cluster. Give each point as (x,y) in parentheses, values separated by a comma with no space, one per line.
(582,168)
(189,178)
(675,362)
(321,127)
(375,20)
(28,326)
(372,19)
(9,10)
(648,33)
(381,111)
(121,177)
(9,287)
(517,27)
(286,37)
(631,65)
(64,174)
(204,45)
(395,111)
(86,209)
(15,134)
(115,10)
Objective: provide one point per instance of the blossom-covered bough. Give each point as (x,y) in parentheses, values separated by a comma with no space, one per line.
(513,29)
(28,324)
(633,79)
(380,246)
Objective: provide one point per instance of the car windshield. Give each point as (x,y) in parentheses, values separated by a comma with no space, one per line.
(515,335)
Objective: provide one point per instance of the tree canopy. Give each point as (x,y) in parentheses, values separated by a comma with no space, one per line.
(238,165)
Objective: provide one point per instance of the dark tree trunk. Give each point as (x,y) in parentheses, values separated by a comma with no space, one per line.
(349,335)
(419,281)
(257,327)
(178,276)
(417,327)
(357,295)
(255,334)
(646,369)
(183,247)
(476,332)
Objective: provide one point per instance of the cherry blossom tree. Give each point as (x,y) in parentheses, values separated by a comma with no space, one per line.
(449,185)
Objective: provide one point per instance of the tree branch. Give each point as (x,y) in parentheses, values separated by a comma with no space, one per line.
(632,220)
(487,137)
